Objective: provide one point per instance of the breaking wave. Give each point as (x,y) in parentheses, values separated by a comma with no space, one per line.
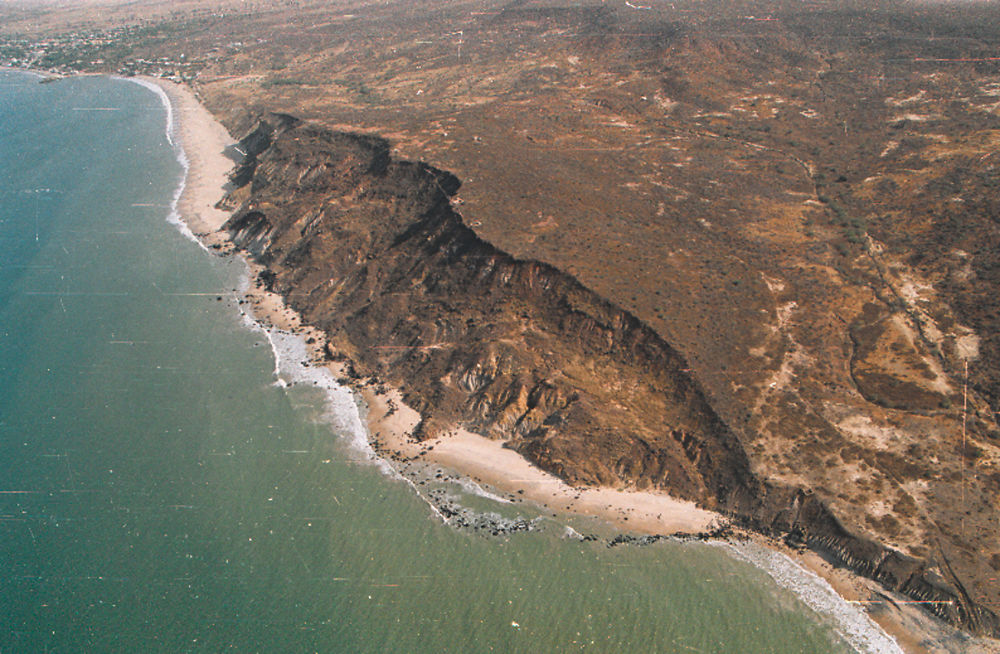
(849,620)
(174,217)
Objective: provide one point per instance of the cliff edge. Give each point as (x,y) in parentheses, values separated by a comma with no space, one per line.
(372,251)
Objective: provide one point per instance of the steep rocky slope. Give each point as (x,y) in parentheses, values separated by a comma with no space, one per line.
(371,250)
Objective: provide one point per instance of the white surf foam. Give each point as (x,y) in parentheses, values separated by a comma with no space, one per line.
(473,488)
(849,620)
(174,217)
(25,71)
(291,366)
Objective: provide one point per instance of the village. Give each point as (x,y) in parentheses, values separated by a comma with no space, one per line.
(120,51)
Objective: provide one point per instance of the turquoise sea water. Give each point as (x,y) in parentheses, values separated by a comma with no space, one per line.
(160,493)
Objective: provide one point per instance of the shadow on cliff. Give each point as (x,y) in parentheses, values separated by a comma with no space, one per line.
(371,250)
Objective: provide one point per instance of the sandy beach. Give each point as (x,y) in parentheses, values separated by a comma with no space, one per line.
(486,461)
(205,142)
(489,463)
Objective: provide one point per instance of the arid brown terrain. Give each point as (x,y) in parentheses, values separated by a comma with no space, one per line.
(747,253)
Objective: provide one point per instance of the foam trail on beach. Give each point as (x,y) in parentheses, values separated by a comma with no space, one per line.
(276,351)
(850,621)
(473,488)
(174,217)
(292,366)
(291,359)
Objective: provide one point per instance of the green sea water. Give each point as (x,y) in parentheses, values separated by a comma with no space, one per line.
(159,492)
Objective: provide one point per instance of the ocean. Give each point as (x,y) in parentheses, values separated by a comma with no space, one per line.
(168,485)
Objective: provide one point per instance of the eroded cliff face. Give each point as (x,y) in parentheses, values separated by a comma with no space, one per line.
(372,250)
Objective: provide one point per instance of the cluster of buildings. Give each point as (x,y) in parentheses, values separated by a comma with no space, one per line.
(97,52)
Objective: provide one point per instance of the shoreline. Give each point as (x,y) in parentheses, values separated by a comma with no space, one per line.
(390,422)
(205,165)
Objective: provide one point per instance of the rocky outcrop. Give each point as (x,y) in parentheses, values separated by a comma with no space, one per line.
(371,250)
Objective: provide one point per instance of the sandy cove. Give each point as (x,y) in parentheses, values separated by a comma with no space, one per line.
(489,463)
(391,423)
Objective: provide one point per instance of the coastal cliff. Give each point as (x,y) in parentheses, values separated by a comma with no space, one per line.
(372,251)
(744,252)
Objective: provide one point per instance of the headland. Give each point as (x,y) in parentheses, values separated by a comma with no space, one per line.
(395,427)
